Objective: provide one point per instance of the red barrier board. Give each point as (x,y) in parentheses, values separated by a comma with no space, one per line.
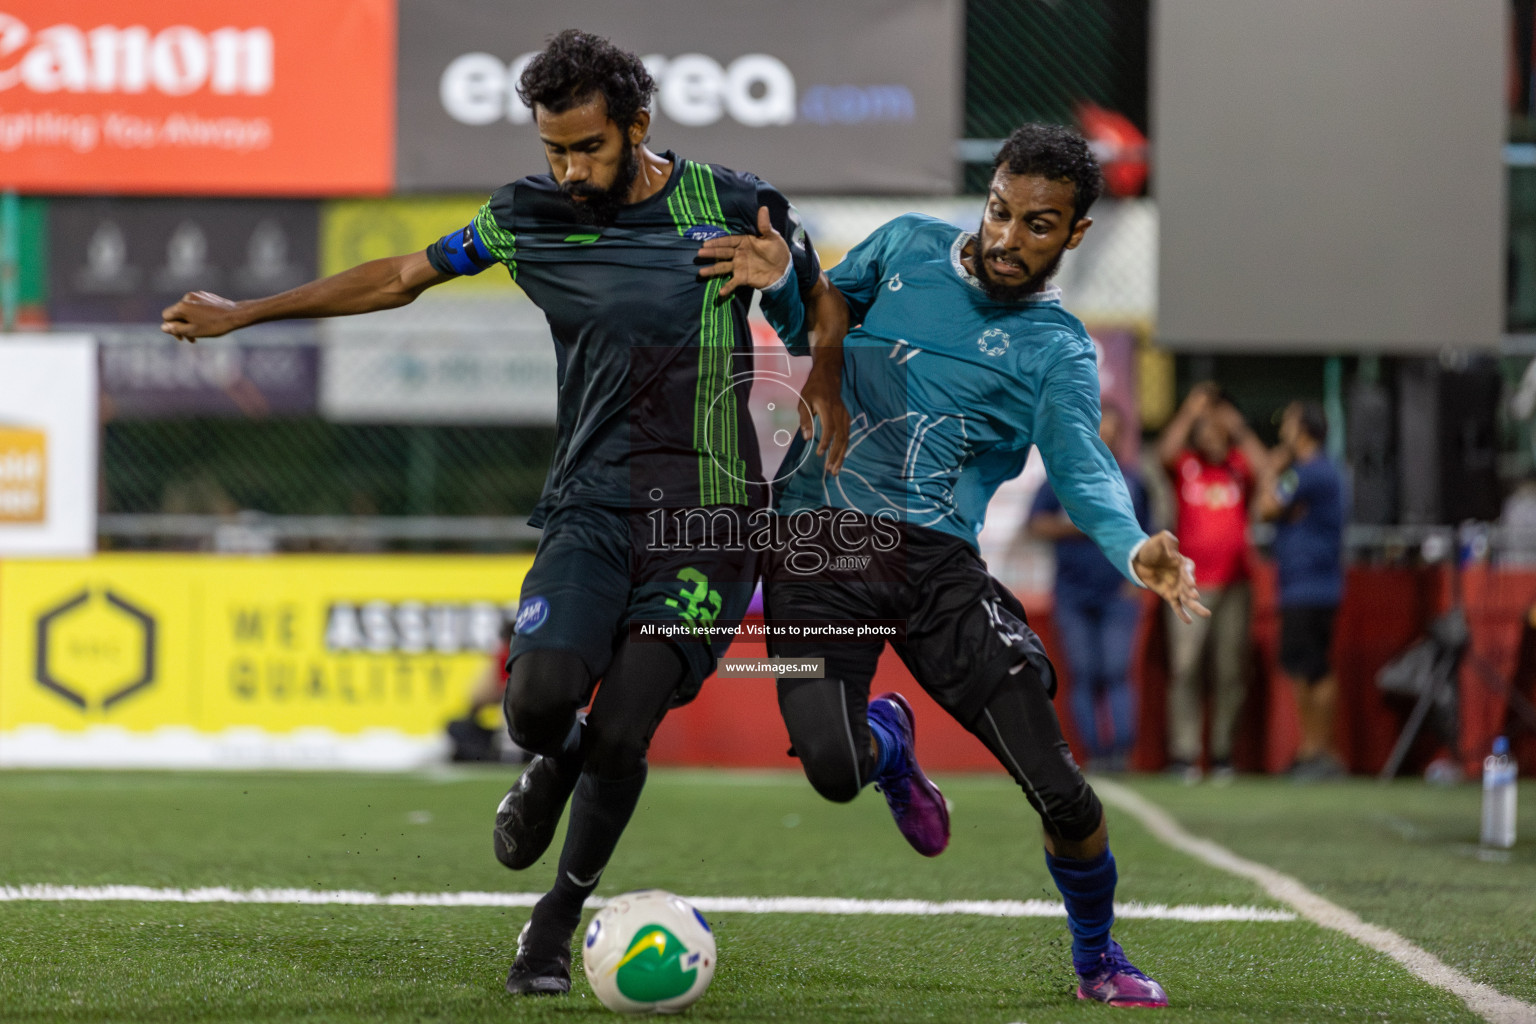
(736,722)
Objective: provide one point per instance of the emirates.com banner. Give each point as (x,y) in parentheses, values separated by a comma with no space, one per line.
(855,95)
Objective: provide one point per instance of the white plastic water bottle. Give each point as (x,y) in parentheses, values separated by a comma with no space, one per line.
(1499,772)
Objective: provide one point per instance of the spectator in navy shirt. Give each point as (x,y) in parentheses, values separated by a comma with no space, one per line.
(1096,614)
(1300,490)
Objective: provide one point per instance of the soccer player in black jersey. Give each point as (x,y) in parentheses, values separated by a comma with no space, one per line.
(655,364)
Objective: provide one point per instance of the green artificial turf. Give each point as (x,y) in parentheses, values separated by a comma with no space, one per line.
(710,834)
(1404,856)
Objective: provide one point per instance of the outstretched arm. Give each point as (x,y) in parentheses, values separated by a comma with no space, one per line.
(377,284)
(1052,526)
(1081,470)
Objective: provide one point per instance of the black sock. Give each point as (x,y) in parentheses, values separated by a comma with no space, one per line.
(600,809)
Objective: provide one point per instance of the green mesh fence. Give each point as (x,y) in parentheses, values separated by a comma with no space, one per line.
(310,467)
(1038,60)
(1522,249)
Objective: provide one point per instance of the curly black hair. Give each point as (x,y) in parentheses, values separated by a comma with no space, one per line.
(577,65)
(1055,152)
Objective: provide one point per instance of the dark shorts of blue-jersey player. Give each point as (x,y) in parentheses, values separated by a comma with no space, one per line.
(654,366)
(962,357)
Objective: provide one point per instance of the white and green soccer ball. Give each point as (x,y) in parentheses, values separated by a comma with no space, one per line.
(648,951)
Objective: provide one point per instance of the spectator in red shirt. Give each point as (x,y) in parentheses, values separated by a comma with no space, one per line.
(1210,455)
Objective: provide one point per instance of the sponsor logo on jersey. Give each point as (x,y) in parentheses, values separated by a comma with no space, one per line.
(895,284)
(704,232)
(532,614)
(994,342)
(697,604)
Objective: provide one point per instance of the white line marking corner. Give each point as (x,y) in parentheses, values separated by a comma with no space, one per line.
(1483,1000)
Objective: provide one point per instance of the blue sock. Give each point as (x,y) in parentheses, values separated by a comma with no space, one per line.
(1088,889)
(888,744)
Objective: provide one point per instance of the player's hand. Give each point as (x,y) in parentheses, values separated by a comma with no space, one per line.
(201,315)
(822,399)
(749,261)
(1170,575)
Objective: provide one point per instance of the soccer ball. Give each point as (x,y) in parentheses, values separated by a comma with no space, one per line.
(648,951)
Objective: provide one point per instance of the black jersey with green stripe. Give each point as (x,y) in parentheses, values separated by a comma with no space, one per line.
(653,366)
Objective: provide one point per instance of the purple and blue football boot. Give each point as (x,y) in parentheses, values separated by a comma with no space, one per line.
(916,803)
(1116,981)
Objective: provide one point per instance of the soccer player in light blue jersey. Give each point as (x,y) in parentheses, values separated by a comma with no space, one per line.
(961,358)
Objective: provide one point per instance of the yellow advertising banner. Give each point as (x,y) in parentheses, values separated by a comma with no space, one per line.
(344,644)
(353,231)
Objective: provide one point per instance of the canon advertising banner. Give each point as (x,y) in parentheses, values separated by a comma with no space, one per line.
(189,96)
(857,95)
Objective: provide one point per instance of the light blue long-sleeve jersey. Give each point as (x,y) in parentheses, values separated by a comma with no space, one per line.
(948,389)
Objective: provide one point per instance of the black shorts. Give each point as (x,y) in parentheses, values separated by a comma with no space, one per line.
(600,570)
(1306,637)
(963,630)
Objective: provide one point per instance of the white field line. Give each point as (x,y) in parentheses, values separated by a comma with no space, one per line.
(1483,1000)
(707,904)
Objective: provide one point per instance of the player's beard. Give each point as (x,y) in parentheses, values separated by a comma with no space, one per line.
(599,207)
(999,291)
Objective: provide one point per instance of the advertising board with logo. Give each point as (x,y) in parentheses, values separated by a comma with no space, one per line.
(186,96)
(170,659)
(124,260)
(146,375)
(48,434)
(494,365)
(868,101)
